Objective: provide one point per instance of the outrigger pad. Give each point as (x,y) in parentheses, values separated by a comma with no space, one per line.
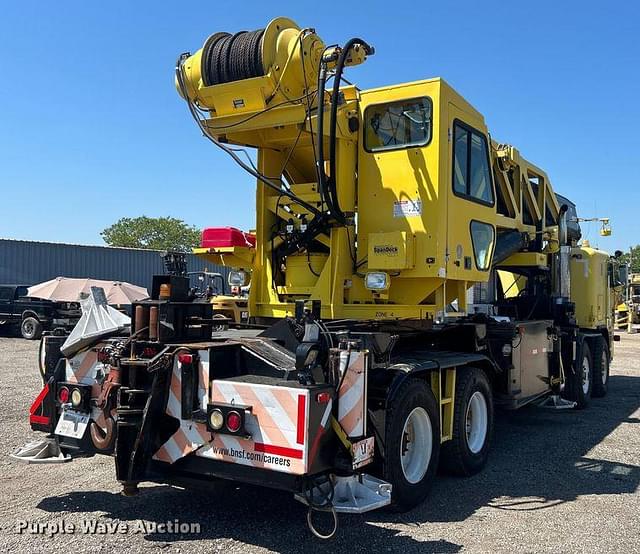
(45,451)
(354,494)
(98,320)
(555,402)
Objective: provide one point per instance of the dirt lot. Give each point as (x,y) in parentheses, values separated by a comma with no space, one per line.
(556,481)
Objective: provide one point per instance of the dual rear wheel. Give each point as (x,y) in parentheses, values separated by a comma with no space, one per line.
(412,453)
(590,377)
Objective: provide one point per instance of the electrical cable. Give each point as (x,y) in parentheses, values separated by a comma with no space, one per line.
(230,151)
(325,504)
(309,264)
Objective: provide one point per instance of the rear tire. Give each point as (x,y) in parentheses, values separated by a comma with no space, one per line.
(31,328)
(468,450)
(579,382)
(601,361)
(412,445)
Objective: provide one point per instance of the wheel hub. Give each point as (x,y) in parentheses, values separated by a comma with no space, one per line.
(476,422)
(416,445)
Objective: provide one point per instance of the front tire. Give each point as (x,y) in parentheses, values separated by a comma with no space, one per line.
(468,450)
(412,445)
(31,328)
(601,361)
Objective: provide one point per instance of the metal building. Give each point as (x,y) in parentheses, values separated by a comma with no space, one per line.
(31,262)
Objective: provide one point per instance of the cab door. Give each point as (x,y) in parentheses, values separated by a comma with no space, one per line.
(471,213)
(6,301)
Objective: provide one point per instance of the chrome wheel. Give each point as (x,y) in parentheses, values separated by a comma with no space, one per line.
(476,422)
(604,374)
(416,445)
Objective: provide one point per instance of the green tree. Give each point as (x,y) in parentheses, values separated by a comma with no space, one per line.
(632,257)
(156,233)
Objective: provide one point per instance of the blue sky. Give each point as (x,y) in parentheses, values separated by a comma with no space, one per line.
(91,128)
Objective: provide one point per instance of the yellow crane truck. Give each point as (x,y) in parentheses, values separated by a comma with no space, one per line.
(364,370)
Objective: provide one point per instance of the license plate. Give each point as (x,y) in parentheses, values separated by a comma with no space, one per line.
(72,424)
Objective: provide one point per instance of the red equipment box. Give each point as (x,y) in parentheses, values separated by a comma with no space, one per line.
(217,237)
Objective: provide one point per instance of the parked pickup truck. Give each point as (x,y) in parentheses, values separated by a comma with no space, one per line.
(34,315)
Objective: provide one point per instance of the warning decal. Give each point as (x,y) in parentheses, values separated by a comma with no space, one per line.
(407,208)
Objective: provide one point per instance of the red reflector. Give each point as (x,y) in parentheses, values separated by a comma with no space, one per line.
(38,401)
(323,397)
(37,407)
(185,358)
(63,395)
(234,421)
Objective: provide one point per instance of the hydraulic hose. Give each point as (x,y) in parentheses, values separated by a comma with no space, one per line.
(332,184)
(322,176)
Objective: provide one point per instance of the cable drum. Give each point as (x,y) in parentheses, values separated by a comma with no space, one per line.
(208,56)
(227,57)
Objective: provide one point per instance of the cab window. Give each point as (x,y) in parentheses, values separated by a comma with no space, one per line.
(394,125)
(482,239)
(471,170)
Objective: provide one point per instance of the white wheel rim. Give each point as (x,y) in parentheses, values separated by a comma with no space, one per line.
(476,422)
(416,445)
(605,368)
(586,375)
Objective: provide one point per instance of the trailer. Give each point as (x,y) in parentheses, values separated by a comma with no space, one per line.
(362,370)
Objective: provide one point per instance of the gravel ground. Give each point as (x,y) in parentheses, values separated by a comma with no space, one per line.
(556,482)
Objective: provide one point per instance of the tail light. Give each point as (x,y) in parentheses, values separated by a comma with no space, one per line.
(185,359)
(228,419)
(79,396)
(234,421)
(216,420)
(76,398)
(63,395)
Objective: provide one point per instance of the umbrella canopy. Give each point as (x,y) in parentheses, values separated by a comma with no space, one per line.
(67,289)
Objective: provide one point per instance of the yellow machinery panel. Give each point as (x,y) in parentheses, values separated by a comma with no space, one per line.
(393,250)
(407,189)
(589,287)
